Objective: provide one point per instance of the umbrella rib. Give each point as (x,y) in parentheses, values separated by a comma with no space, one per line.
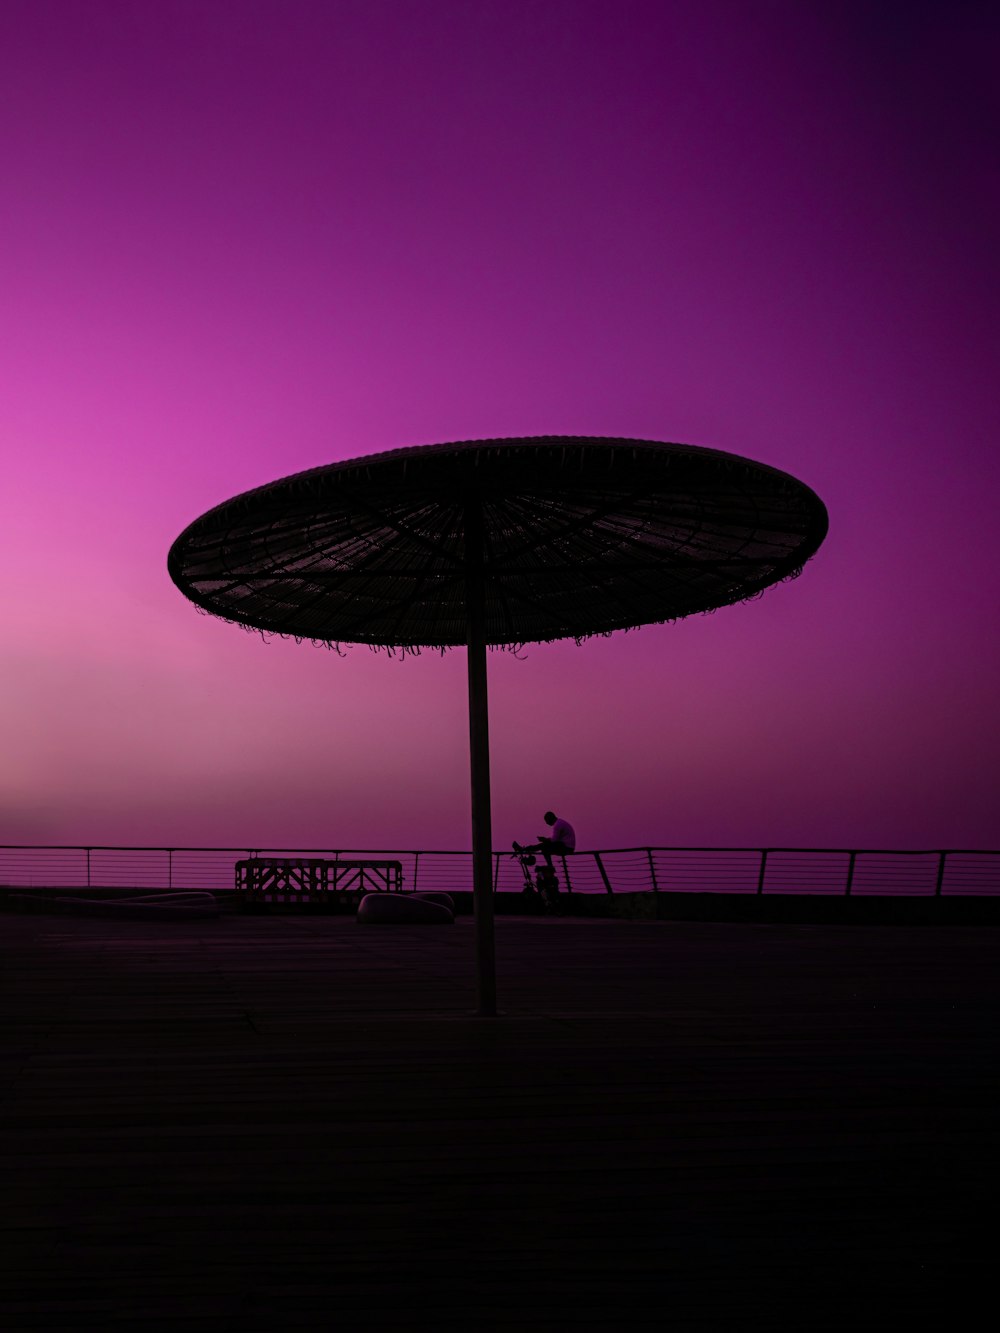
(274,611)
(577,536)
(421,576)
(501,594)
(592,547)
(334,541)
(351,626)
(302,609)
(305,608)
(667,565)
(575,525)
(307,570)
(404,530)
(632,606)
(308,575)
(577,632)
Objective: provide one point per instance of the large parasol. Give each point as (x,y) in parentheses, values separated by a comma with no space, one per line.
(497,542)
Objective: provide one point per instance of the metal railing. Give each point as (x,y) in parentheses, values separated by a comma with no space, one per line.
(745,870)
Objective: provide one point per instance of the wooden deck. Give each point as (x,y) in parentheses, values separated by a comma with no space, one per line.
(270,1123)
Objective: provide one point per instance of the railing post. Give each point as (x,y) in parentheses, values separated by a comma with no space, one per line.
(763,870)
(88,866)
(604,873)
(850,875)
(939,884)
(566,878)
(652,869)
(496,871)
(416,867)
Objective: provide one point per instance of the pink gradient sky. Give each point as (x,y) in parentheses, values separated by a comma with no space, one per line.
(242,239)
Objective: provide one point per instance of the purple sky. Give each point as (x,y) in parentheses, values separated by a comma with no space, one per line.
(242,239)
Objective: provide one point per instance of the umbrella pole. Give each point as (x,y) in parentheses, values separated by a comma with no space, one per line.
(479,753)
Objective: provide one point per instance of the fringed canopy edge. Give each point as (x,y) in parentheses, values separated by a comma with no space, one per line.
(402,650)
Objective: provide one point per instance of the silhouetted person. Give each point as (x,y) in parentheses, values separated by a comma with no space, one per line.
(561,842)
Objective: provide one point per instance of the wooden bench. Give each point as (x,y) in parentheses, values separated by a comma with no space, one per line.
(336,884)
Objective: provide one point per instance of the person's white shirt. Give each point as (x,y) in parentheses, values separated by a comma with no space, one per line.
(562,833)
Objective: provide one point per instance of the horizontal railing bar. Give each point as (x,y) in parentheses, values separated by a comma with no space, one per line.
(451,851)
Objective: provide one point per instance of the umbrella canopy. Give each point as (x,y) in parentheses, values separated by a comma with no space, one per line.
(581,536)
(497,542)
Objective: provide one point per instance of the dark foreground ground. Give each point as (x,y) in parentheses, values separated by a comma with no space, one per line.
(272,1123)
